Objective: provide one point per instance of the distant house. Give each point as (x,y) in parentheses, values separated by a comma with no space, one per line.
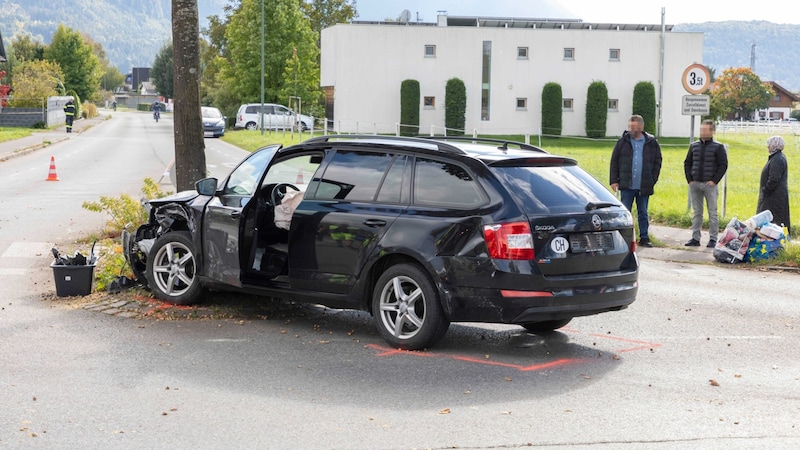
(2,49)
(780,107)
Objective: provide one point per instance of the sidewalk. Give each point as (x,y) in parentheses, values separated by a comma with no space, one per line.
(44,138)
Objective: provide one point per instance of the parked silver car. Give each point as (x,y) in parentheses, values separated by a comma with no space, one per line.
(276,117)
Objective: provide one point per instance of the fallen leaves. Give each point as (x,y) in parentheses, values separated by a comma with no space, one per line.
(713,382)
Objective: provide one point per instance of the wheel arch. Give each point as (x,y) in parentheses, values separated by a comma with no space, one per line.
(385,262)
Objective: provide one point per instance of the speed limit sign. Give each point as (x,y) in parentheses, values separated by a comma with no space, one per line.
(696,79)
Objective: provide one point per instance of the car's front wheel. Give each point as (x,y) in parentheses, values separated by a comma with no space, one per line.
(548,325)
(172,269)
(250,126)
(406,308)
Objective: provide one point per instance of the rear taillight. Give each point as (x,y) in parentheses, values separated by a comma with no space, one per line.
(509,240)
(633,246)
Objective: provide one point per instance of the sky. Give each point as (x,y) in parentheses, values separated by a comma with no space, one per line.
(597,11)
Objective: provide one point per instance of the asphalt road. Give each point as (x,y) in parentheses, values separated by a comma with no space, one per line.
(707,357)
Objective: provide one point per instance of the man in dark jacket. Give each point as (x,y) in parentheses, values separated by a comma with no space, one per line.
(635,167)
(704,166)
(69,111)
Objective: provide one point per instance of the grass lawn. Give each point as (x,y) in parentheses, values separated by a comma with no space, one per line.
(8,134)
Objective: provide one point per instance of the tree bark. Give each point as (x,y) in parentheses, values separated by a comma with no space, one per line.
(190,156)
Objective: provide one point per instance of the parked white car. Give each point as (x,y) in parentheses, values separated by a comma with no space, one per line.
(276,117)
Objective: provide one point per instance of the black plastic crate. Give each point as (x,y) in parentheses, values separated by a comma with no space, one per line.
(73,280)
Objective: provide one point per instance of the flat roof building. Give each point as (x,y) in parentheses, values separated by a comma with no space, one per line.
(504,64)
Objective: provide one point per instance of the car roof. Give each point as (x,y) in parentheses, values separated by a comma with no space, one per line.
(493,152)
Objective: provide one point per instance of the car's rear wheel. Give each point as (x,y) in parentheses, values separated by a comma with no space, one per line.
(406,308)
(548,325)
(172,269)
(250,126)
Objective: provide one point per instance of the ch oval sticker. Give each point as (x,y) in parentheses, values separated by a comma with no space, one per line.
(559,244)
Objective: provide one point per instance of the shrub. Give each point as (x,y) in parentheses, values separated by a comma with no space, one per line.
(644,104)
(551,109)
(125,210)
(89,110)
(455,106)
(409,108)
(596,109)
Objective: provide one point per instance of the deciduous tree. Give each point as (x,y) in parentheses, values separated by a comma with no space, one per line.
(77,60)
(739,92)
(162,71)
(34,81)
(190,156)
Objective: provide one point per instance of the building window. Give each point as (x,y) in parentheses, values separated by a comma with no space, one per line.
(522,104)
(613,104)
(429,102)
(566,104)
(777,98)
(613,54)
(486,79)
(569,54)
(430,51)
(522,52)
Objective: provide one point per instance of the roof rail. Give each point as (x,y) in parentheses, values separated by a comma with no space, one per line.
(504,143)
(397,140)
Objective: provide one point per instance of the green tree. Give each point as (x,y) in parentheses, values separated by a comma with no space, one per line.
(552,98)
(26,49)
(409,107)
(213,57)
(35,81)
(322,14)
(162,71)
(644,104)
(455,106)
(190,156)
(77,59)
(596,109)
(738,92)
(286,32)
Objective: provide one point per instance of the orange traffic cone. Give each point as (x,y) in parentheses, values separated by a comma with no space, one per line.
(52,176)
(299,177)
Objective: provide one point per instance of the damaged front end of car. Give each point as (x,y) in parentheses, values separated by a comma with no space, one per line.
(165,215)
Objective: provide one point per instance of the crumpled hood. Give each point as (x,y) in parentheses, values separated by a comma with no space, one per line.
(180,197)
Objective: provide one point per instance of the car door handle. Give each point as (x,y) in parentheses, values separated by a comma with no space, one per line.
(236,214)
(375,223)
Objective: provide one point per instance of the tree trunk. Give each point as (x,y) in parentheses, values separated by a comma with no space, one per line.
(190,156)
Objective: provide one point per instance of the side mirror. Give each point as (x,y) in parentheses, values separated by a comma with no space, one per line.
(206,186)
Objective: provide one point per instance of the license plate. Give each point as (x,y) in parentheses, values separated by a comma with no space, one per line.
(591,242)
(208,134)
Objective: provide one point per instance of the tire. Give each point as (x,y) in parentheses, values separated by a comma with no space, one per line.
(250,126)
(406,308)
(172,269)
(548,325)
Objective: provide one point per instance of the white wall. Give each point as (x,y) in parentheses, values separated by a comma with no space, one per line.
(366,64)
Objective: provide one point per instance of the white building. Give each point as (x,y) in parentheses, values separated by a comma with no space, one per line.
(504,64)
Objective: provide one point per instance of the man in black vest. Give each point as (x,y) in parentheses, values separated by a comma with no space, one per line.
(69,110)
(705,165)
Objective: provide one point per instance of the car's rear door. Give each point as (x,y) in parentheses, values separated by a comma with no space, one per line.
(346,211)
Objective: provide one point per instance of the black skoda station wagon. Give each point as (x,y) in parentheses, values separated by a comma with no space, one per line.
(419,232)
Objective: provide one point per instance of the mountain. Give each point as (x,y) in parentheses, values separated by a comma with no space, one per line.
(132,33)
(728,44)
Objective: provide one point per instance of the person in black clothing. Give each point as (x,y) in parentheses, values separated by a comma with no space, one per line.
(704,166)
(773,193)
(69,111)
(635,167)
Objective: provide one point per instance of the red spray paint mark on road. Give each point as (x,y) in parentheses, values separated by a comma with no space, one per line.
(387,351)
(645,344)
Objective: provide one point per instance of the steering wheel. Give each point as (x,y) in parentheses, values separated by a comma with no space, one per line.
(279,191)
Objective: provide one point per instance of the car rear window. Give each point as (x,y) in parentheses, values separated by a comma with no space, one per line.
(553,189)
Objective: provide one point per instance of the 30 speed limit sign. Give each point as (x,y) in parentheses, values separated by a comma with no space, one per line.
(696,79)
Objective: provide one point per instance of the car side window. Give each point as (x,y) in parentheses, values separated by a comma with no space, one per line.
(439,183)
(251,110)
(352,175)
(244,179)
(392,186)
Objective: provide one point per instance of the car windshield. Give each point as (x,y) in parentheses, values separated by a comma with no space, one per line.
(553,189)
(211,113)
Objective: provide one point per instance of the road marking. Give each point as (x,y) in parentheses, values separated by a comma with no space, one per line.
(27,250)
